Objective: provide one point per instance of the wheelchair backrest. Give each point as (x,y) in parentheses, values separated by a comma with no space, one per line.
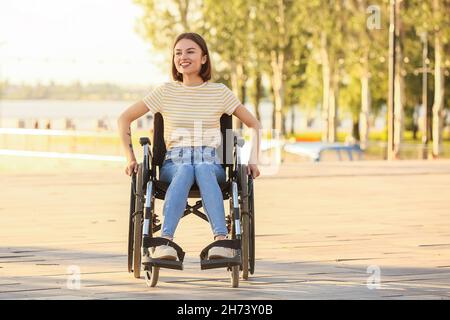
(225,148)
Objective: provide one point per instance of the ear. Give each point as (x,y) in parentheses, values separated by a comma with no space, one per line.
(204,59)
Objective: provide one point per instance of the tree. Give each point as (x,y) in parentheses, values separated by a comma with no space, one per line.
(226,30)
(440,21)
(368,39)
(296,64)
(279,23)
(428,17)
(163,21)
(327,23)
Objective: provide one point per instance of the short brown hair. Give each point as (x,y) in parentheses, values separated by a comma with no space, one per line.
(205,71)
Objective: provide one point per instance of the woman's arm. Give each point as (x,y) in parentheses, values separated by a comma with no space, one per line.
(250,121)
(124,121)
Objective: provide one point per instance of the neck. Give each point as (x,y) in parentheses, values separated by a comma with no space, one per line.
(192,80)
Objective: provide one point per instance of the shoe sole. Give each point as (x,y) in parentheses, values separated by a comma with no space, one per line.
(218,257)
(166,258)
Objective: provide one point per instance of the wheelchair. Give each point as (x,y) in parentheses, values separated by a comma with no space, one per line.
(144,222)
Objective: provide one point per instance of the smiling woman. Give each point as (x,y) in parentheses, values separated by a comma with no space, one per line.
(191,107)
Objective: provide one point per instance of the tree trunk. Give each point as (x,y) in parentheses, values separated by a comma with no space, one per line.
(258,94)
(398,110)
(425,120)
(439,90)
(292,120)
(356,128)
(332,108)
(272,91)
(277,57)
(243,100)
(326,80)
(277,63)
(399,88)
(236,76)
(366,100)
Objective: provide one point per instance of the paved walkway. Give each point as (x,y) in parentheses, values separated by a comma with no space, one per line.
(324,231)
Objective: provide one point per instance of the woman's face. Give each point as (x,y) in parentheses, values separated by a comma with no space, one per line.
(187,57)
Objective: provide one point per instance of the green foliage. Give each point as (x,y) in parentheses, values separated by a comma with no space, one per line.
(244,36)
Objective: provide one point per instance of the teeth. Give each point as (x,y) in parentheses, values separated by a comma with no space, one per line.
(185,64)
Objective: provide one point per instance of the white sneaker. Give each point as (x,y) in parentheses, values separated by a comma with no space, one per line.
(164,252)
(220,253)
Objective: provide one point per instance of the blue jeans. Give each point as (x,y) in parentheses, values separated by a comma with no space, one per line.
(181,167)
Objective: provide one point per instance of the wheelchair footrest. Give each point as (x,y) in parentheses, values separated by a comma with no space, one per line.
(220,263)
(206,263)
(158,241)
(164,263)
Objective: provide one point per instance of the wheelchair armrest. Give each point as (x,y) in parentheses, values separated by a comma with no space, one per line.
(240,141)
(148,157)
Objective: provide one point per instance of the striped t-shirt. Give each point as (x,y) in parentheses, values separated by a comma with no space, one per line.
(191,114)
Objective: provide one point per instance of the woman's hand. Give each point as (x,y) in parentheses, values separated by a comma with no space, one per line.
(252,169)
(131,167)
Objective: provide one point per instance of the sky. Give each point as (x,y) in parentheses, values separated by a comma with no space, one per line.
(76,40)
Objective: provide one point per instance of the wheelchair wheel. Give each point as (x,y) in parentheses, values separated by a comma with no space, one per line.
(131,223)
(251,217)
(234,274)
(245,246)
(151,276)
(138,220)
(244,222)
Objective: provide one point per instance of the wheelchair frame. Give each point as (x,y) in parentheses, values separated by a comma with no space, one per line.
(144,222)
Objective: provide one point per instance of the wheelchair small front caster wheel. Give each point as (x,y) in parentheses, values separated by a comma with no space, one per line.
(151,276)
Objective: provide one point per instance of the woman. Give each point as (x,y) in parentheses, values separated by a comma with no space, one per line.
(191,107)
